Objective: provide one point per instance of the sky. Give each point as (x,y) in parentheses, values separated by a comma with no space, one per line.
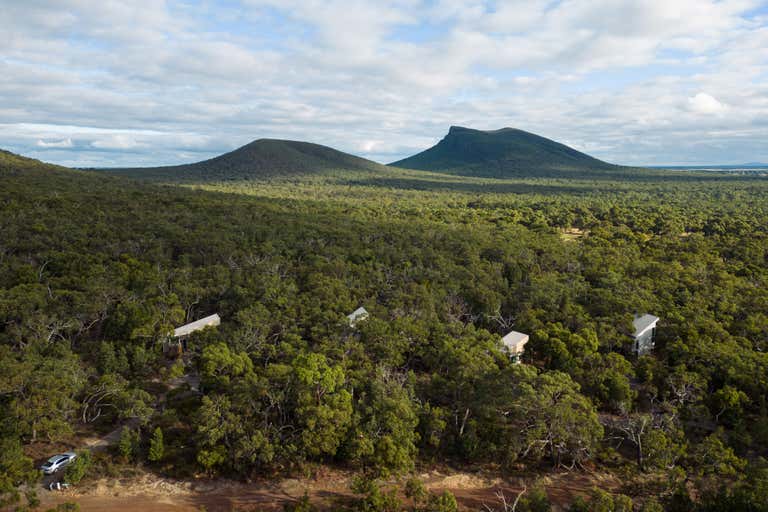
(150,82)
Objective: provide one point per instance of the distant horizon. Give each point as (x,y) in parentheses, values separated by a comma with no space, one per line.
(650,166)
(146,83)
(208,155)
(386,163)
(747,165)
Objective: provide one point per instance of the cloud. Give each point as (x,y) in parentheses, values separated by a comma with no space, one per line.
(703,103)
(63,143)
(148,82)
(115,142)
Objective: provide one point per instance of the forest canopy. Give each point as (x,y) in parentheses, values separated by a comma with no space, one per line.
(95,271)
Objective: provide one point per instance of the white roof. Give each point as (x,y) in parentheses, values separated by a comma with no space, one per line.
(209,321)
(642,323)
(514,341)
(357,314)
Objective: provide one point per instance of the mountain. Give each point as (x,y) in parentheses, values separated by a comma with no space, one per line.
(502,153)
(14,164)
(263,158)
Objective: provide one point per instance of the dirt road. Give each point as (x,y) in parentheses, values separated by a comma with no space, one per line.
(151,494)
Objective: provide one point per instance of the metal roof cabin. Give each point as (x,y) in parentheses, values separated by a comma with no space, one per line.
(178,343)
(515,344)
(209,321)
(356,316)
(645,330)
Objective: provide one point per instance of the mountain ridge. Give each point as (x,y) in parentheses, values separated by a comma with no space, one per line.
(504,152)
(14,163)
(261,158)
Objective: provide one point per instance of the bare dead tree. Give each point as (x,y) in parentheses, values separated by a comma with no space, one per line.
(504,322)
(505,505)
(41,271)
(252,260)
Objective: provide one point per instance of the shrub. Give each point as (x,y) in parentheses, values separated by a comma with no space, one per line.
(77,470)
(156,446)
(129,444)
(65,507)
(445,502)
(375,499)
(176,370)
(415,490)
(303,505)
(601,501)
(579,505)
(535,500)
(652,506)
(15,469)
(209,459)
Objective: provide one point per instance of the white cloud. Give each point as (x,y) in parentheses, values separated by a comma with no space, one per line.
(369,146)
(115,142)
(63,143)
(703,103)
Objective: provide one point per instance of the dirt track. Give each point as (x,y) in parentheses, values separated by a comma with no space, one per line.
(152,494)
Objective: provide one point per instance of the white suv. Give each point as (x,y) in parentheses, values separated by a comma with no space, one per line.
(57,462)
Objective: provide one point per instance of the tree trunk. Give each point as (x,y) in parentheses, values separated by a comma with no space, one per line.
(464,422)
(552,453)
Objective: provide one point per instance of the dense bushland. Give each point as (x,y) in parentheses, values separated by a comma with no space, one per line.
(94,272)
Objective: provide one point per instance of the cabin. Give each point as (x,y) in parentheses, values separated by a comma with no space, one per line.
(357,316)
(177,343)
(186,330)
(645,330)
(515,342)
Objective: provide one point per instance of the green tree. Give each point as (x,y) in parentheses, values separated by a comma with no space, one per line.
(156,446)
(554,419)
(42,384)
(384,436)
(128,444)
(323,406)
(79,468)
(561,348)
(460,359)
(534,500)
(445,502)
(714,463)
(113,360)
(602,501)
(415,490)
(374,499)
(606,379)
(728,401)
(16,469)
(218,426)
(112,393)
(219,366)
(211,458)
(651,505)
